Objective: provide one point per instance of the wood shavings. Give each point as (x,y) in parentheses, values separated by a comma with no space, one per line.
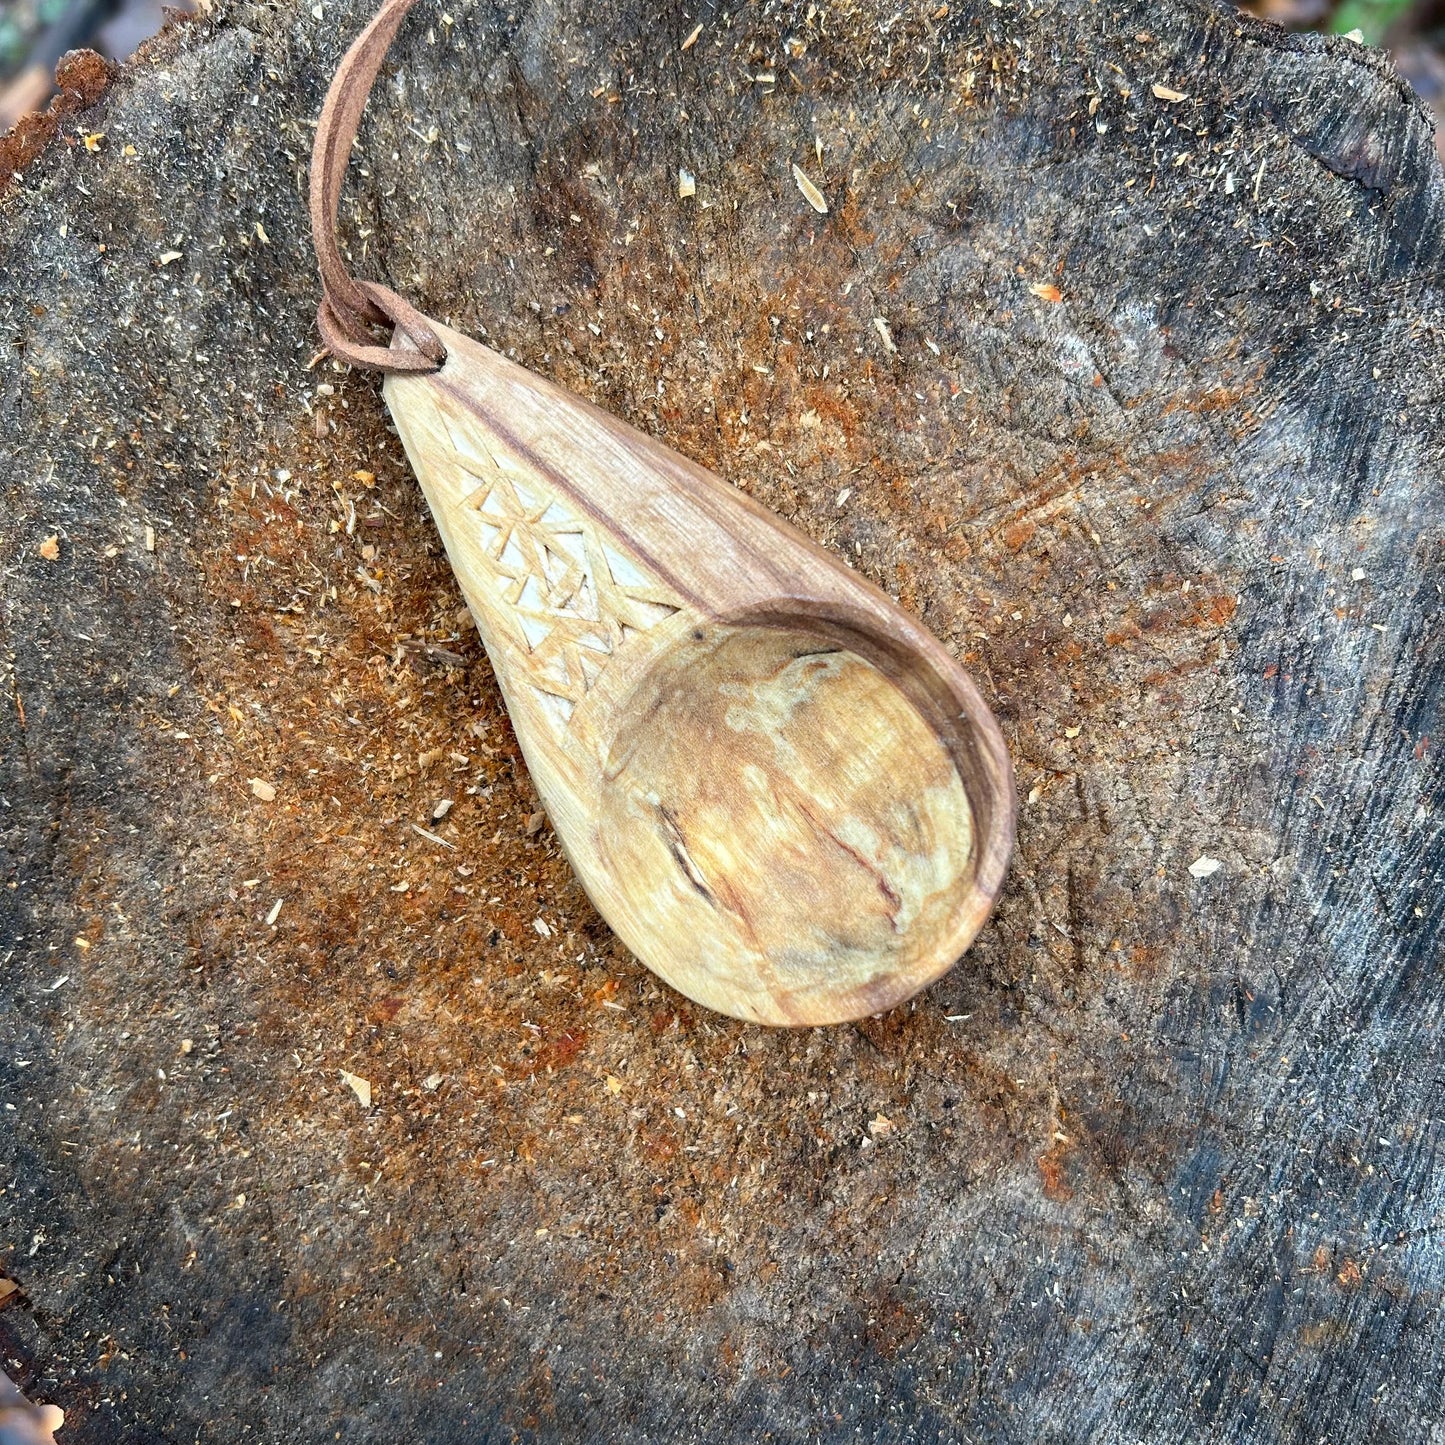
(613,1084)
(265,791)
(1203,866)
(166,257)
(882,328)
(1163,92)
(1045,291)
(432,837)
(49,549)
(358,1086)
(811,193)
(692,38)
(881,1126)
(275,912)
(686,184)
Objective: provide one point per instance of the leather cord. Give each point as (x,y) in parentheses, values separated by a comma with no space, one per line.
(351,308)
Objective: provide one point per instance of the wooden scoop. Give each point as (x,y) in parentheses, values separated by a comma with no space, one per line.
(780,790)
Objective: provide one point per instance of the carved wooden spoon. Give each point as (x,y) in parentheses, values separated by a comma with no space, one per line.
(780,790)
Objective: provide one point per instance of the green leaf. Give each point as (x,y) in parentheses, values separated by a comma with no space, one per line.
(1370,17)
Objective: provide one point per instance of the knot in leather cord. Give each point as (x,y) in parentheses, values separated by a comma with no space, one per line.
(350,308)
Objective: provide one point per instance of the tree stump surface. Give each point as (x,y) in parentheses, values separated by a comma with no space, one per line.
(1118,358)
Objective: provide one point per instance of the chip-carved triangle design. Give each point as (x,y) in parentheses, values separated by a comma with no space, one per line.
(565,596)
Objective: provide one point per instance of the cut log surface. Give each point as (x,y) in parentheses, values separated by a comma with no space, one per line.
(330,1107)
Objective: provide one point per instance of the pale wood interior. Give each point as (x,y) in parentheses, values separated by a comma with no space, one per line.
(786,822)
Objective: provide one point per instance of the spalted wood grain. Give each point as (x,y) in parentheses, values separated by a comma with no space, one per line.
(781,792)
(1161,1160)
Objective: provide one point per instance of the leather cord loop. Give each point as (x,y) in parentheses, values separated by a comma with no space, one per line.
(350,307)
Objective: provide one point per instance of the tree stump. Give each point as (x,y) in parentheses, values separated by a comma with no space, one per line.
(334,1112)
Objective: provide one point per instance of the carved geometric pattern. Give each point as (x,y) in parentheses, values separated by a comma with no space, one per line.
(568,597)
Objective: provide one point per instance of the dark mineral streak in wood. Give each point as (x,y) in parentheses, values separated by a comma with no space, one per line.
(1161,1162)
